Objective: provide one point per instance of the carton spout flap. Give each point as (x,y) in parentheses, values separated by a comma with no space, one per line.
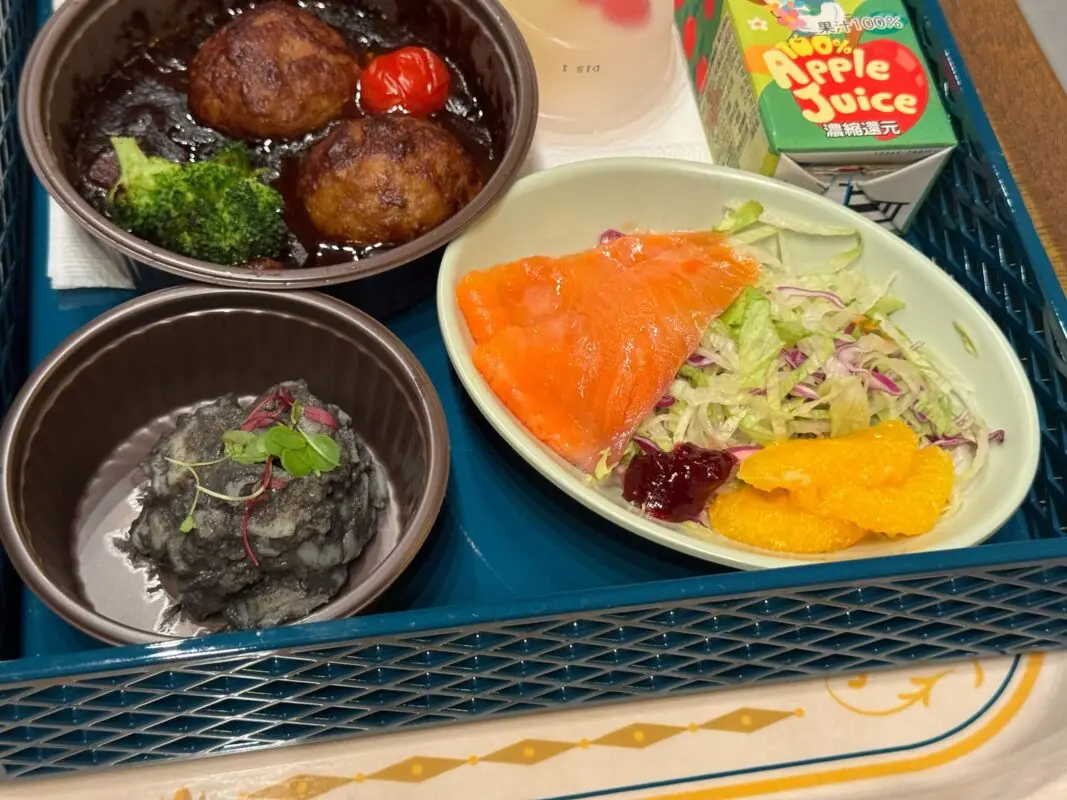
(887,195)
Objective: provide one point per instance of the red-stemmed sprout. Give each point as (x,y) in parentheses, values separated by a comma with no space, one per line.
(272,430)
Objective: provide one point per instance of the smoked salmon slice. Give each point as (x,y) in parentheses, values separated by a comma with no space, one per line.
(583,375)
(638,247)
(530,290)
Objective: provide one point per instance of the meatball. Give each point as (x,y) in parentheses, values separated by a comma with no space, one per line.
(386,179)
(274,72)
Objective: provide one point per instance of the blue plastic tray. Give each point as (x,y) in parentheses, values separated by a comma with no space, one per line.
(522,601)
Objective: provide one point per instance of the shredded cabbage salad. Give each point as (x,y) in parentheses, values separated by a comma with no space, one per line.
(810,351)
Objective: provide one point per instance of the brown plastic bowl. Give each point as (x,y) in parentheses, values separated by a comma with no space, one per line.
(85,39)
(90,413)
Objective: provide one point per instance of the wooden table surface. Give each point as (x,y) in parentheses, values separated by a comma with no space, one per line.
(1025,100)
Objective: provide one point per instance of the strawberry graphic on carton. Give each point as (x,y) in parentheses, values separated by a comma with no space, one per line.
(833,96)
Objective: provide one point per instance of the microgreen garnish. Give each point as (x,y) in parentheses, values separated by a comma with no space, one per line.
(299,452)
(320,416)
(270,431)
(327,455)
(189,523)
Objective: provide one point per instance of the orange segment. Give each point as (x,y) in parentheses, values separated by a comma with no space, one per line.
(877,456)
(821,495)
(774,521)
(909,509)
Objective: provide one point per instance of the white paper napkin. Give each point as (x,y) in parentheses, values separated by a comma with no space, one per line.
(78,261)
(673,130)
(75,259)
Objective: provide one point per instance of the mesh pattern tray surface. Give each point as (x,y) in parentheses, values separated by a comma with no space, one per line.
(430,667)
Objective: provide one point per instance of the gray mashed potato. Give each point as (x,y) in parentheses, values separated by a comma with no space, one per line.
(302,532)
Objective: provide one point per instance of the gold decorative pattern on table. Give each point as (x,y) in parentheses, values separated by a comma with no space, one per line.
(920,693)
(416,769)
(299,786)
(639,735)
(526,752)
(749,720)
(991,725)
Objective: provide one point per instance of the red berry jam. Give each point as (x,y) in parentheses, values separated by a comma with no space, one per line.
(676,486)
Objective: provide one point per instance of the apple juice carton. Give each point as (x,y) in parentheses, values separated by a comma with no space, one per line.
(831,96)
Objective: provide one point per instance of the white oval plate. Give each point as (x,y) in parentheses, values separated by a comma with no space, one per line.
(564,210)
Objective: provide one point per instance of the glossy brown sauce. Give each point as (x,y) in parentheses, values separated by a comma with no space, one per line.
(145,97)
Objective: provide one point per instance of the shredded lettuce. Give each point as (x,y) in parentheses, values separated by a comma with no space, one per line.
(968,342)
(758,343)
(603,469)
(808,228)
(740,216)
(850,409)
(812,350)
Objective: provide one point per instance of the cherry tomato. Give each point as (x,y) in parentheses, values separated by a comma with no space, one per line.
(414,79)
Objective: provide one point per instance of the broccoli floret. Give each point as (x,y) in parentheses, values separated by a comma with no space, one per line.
(236,155)
(215,210)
